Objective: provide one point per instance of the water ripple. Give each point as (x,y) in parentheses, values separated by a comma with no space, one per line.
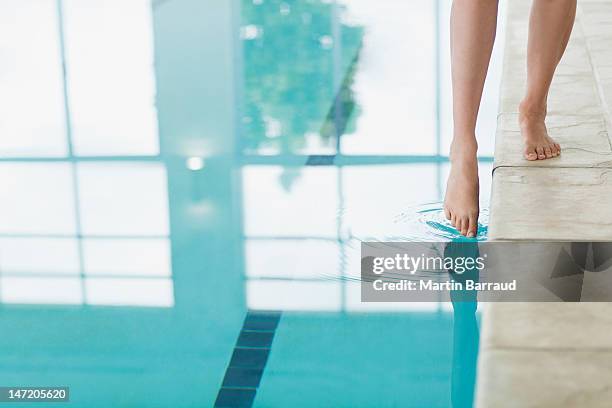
(427,222)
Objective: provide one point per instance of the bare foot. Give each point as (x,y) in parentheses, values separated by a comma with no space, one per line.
(538,145)
(461,200)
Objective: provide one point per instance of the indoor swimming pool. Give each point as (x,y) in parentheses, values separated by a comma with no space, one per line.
(181,218)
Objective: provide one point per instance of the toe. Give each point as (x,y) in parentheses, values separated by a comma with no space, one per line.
(473,227)
(466,226)
(540,151)
(530,154)
(447,213)
(558,146)
(554,150)
(453,220)
(548,152)
(465,223)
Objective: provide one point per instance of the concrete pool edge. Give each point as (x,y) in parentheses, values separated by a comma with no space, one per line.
(553,354)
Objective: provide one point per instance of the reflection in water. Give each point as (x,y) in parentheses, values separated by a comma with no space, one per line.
(99,230)
(303,255)
(466,339)
(206,242)
(466,336)
(95,36)
(31,80)
(300,57)
(90,233)
(398,85)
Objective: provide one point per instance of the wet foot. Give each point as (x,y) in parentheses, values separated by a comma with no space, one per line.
(461,200)
(538,145)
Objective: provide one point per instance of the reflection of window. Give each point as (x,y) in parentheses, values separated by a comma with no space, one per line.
(373,194)
(292,258)
(286,274)
(123,199)
(290,201)
(396,78)
(45,206)
(294,295)
(108,49)
(31,101)
(110,248)
(311,275)
(72,231)
(302,246)
(110,77)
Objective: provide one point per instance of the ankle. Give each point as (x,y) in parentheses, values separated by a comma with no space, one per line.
(463,150)
(530,110)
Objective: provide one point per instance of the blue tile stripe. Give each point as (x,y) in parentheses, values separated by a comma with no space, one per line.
(255,339)
(248,362)
(235,397)
(320,160)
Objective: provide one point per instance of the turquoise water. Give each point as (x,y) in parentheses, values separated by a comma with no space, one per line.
(182,218)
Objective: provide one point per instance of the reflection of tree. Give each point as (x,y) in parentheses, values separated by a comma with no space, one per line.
(289,68)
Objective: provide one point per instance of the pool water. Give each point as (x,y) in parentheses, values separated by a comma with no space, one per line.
(182,218)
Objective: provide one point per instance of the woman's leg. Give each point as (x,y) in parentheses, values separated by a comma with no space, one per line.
(550,27)
(473,26)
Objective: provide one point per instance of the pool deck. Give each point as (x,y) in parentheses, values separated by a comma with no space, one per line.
(553,354)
